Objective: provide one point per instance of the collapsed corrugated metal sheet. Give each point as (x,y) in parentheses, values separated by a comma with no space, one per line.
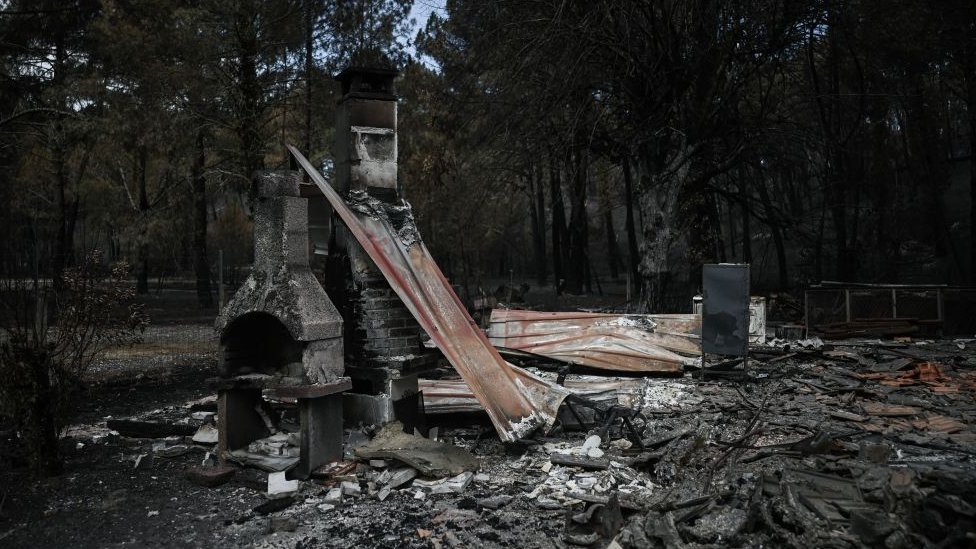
(516,401)
(448,396)
(631,343)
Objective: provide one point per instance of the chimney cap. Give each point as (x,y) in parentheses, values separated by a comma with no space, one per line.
(371,82)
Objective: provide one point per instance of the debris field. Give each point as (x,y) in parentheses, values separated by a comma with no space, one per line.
(856,443)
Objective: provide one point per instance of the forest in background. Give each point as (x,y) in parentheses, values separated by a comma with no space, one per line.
(554,141)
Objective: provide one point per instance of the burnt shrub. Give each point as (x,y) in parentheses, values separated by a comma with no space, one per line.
(42,363)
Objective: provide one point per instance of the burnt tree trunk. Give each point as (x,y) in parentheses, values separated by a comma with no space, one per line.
(64,243)
(746,214)
(558,223)
(249,105)
(142,279)
(659,204)
(718,244)
(201,265)
(40,422)
(613,251)
(578,229)
(777,230)
(309,66)
(632,249)
(969,72)
(537,214)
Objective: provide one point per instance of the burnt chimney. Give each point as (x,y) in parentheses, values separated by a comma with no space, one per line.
(383,341)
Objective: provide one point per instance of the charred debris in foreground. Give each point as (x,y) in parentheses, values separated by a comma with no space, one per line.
(857,443)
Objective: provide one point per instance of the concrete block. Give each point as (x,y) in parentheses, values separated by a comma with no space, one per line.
(278,485)
(350,488)
(321,425)
(333,496)
(238,423)
(322,360)
(366,409)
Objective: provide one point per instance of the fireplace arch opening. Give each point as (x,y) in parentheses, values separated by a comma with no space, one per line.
(258,343)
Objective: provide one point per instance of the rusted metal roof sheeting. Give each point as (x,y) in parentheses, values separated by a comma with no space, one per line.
(516,401)
(632,343)
(448,396)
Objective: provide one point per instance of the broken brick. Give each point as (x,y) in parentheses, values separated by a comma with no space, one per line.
(210,477)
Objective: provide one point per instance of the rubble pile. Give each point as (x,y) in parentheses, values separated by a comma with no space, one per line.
(851,444)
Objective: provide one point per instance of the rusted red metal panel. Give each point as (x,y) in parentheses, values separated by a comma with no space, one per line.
(633,343)
(446,396)
(516,401)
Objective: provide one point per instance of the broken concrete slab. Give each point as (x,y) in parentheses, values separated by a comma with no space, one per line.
(452,485)
(401,476)
(279,485)
(206,434)
(430,458)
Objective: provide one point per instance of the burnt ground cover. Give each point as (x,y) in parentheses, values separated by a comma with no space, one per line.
(854,443)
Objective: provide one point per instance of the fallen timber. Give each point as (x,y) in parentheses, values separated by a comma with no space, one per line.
(627,343)
(516,401)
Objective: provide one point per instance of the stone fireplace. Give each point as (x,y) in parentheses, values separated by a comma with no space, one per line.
(281,338)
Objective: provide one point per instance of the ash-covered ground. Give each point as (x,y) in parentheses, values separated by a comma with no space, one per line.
(850,444)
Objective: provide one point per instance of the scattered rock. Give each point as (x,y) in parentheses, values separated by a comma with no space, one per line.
(548,503)
(282,524)
(350,488)
(210,477)
(592,441)
(583,540)
(621,444)
(495,502)
(333,496)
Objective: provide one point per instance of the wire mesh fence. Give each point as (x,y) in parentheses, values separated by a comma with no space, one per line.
(947,311)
